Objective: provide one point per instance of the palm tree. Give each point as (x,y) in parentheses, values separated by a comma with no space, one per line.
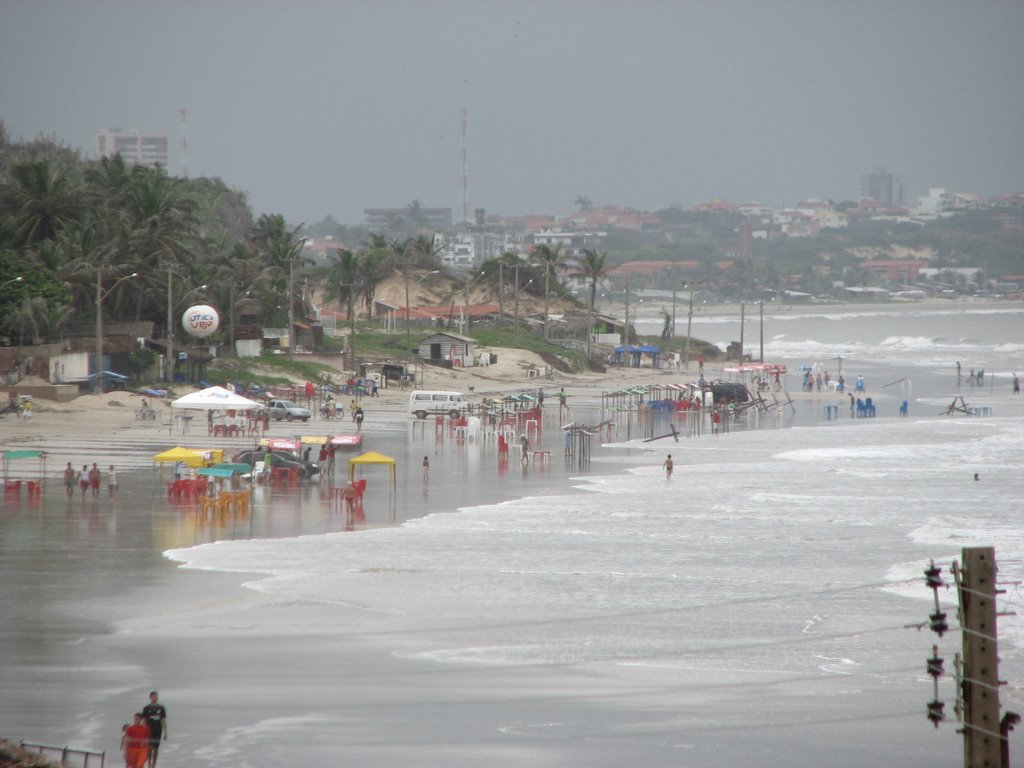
(593,270)
(344,274)
(584,202)
(43,202)
(548,259)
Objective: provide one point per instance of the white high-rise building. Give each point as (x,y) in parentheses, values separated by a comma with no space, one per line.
(149,149)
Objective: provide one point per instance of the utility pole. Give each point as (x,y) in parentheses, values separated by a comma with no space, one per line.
(761,305)
(986,738)
(515,320)
(625,322)
(977,592)
(743,325)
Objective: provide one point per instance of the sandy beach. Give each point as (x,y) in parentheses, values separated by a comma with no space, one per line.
(95,615)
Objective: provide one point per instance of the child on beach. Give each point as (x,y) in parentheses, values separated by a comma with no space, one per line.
(136,743)
(667,466)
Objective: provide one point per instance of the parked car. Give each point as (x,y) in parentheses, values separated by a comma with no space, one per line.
(278,459)
(287,410)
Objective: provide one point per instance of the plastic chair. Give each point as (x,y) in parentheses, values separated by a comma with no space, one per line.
(360,488)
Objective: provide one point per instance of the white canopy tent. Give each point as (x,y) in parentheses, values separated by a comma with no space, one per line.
(209,399)
(215,399)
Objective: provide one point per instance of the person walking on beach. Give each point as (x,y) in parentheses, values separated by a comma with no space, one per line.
(69,480)
(94,480)
(112,481)
(1016,384)
(83,479)
(426,470)
(667,466)
(136,742)
(357,417)
(156,717)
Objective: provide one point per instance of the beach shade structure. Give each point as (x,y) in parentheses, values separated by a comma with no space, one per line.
(110,379)
(33,478)
(636,352)
(189,457)
(289,444)
(346,442)
(215,399)
(373,458)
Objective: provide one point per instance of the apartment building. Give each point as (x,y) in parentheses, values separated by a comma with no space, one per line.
(148,149)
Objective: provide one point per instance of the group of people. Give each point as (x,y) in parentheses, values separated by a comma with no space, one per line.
(89,478)
(140,741)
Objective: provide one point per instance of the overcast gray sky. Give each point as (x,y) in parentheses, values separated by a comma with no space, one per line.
(331,107)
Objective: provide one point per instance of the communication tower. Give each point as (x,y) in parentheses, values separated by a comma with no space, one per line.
(183,111)
(465,170)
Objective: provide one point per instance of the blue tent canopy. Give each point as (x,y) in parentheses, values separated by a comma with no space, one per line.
(638,349)
(635,351)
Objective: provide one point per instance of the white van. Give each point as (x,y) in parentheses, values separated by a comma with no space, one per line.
(426,402)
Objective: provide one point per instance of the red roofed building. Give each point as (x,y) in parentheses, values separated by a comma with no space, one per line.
(904,270)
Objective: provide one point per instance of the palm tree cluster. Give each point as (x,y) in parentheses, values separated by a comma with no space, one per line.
(67,224)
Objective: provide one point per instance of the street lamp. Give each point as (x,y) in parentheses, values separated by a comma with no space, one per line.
(465,296)
(689,325)
(295,251)
(100,295)
(17,279)
(516,324)
(408,342)
(168,352)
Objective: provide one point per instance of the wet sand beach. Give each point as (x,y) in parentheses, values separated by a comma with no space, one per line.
(94,615)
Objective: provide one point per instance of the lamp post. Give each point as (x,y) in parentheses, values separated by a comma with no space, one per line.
(689,324)
(97,386)
(352,321)
(408,342)
(515,331)
(465,297)
(168,352)
(294,251)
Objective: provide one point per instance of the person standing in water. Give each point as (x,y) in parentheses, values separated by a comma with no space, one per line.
(667,466)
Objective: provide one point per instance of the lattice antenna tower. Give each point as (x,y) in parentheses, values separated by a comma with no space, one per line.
(183,111)
(465,168)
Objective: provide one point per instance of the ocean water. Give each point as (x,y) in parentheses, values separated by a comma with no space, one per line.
(761,608)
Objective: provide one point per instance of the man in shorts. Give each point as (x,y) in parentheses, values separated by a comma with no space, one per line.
(156,717)
(94,480)
(70,480)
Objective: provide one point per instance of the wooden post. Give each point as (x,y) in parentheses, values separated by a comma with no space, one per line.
(982,741)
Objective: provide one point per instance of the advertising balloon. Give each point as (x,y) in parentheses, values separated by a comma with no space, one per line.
(200,320)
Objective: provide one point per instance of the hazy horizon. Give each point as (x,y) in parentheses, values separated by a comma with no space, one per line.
(317,108)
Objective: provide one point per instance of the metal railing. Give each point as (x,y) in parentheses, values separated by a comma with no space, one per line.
(67,757)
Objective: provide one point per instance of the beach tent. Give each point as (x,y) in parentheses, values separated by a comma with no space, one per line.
(25,455)
(215,399)
(371,458)
(188,457)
